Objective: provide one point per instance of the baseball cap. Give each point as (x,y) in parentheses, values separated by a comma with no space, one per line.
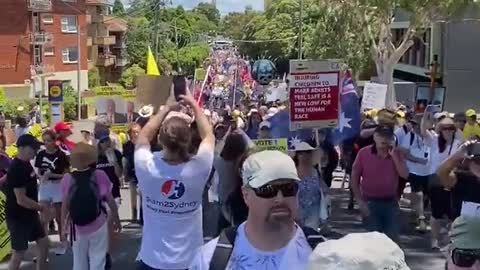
(441,115)
(61,126)
(460,116)
(83,155)
(358,251)
(384,131)
(267,166)
(28,140)
(470,113)
(465,233)
(265,124)
(102,134)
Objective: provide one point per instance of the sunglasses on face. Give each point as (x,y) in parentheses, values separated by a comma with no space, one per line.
(465,258)
(270,191)
(449,128)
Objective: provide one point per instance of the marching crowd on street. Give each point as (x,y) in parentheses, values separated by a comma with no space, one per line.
(273,205)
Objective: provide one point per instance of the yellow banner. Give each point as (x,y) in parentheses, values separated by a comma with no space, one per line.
(272,144)
(4,233)
(119,128)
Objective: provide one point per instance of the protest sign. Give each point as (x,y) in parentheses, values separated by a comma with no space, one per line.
(118,106)
(374,96)
(313,94)
(4,233)
(55,91)
(272,144)
(153,90)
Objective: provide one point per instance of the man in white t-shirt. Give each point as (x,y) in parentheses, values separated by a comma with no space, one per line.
(172,182)
(417,157)
(269,239)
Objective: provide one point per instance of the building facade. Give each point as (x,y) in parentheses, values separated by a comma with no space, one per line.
(107,50)
(453,45)
(42,40)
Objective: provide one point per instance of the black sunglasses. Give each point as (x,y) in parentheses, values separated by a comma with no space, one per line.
(465,258)
(269,191)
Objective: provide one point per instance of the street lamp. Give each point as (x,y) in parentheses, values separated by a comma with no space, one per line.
(300,31)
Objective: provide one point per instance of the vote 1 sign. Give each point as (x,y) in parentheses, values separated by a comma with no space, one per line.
(313,94)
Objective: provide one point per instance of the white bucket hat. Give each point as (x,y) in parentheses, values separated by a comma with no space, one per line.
(358,251)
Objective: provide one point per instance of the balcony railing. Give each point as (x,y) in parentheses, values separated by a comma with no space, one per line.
(121,62)
(105,60)
(97,2)
(39,5)
(108,40)
(41,69)
(41,38)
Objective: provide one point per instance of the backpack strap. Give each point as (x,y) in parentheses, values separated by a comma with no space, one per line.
(224,249)
(313,237)
(209,179)
(412,138)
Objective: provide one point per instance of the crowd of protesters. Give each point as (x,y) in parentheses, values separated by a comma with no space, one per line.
(270,205)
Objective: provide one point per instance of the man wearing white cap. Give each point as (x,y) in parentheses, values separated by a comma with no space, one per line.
(269,239)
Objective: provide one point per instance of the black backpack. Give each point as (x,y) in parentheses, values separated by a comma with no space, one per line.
(85,204)
(226,240)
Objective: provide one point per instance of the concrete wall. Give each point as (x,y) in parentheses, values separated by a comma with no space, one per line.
(461,63)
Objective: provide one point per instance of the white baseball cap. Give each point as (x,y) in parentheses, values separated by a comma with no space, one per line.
(266,166)
(265,124)
(358,251)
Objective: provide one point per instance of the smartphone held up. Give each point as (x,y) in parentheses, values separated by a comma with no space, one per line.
(179,86)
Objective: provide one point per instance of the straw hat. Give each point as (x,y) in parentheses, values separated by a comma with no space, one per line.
(82,156)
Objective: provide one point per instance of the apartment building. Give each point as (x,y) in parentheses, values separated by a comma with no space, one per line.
(40,41)
(107,50)
(453,45)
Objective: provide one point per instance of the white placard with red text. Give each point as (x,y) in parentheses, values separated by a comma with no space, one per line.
(314,88)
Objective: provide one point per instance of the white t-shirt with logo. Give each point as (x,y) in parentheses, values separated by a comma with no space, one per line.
(418,148)
(244,256)
(172,210)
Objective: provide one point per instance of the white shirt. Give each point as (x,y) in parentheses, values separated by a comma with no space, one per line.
(172,210)
(419,149)
(436,158)
(244,256)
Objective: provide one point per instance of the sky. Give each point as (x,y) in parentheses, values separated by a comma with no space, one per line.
(224,6)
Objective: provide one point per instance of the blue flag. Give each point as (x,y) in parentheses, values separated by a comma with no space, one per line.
(297,140)
(349,118)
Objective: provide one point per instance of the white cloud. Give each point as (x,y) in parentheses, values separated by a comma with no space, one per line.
(224,6)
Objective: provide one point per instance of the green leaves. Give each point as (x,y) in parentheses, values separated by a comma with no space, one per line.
(128,77)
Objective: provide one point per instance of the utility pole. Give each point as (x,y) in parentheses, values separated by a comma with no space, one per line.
(176,45)
(79,67)
(300,31)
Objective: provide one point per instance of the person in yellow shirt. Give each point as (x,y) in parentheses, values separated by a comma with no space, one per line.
(472,128)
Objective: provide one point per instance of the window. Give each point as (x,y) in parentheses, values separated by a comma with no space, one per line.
(47,19)
(70,55)
(69,24)
(37,55)
(49,51)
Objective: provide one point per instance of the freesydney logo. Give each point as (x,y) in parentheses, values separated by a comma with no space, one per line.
(173,189)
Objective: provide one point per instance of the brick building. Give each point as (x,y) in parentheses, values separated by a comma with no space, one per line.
(107,37)
(39,42)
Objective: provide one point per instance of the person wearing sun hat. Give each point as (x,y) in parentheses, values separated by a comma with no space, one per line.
(465,244)
(90,241)
(472,128)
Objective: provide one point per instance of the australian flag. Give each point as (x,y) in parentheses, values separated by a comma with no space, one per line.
(349,117)
(280,123)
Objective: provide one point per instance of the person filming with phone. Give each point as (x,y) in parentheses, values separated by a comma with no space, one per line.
(172,182)
(375,178)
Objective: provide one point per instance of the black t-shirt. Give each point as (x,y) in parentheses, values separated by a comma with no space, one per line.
(109,169)
(467,189)
(128,154)
(20,175)
(57,162)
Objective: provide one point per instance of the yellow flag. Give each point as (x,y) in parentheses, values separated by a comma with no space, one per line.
(152,68)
